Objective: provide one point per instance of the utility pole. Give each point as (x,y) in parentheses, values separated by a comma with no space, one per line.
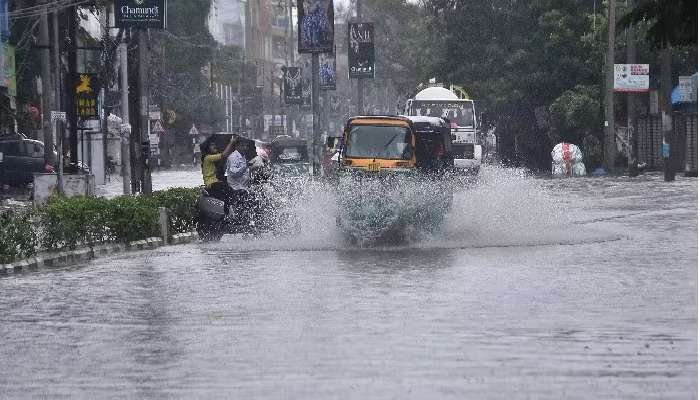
(72,73)
(48,104)
(314,104)
(632,102)
(58,125)
(124,130)
(667,114)
(146,187)
(360,82)
(610,148)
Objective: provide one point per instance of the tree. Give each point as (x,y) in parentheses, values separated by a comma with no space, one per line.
(670,22)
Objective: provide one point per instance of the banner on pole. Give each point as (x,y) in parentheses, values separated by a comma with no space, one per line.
(85,96)
(7,69)
(326,71)
(306,93)
(140,14)
(292,85)
(315,26)
(631,78)
(361,50)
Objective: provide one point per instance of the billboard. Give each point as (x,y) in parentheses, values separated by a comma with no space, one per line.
(361,50)
(631,78)
(140,14)
(326,71)
(315,26)
(85,96)
(292,85)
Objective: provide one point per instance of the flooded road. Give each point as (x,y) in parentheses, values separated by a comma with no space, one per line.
(534,288)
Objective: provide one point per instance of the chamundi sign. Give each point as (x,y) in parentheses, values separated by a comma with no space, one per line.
(140,13)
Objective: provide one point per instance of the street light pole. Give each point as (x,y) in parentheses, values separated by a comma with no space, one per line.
(609,147)
(314,103)
(360,82)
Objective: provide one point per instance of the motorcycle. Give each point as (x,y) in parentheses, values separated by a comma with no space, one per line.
(253,213)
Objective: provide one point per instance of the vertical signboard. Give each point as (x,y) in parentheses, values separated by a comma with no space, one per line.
(315,26)
(327,71)
(306,93)
(688,89)
(631,78)
(292,85)
(140,14)
(85,96)
(7,69)
(361,50)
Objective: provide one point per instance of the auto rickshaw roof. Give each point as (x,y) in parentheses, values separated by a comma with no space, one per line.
(288,141)
(397,120)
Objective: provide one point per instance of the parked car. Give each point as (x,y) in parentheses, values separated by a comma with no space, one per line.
(20,158)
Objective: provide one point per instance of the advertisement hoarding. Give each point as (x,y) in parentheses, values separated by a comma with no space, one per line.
(361,50)
(140,14)
(631,78)
(315,26)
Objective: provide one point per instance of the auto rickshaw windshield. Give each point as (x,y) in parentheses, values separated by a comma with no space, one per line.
(374,141)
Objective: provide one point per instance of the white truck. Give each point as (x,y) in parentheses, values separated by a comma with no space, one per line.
(440,102)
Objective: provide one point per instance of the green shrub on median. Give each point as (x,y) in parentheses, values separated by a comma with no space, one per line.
(70,222)
(18,238)
(180,203)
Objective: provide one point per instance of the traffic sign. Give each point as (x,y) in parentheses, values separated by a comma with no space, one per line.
(58,116)
(194,131)
(158,127)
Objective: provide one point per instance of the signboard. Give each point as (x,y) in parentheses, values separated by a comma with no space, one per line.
(315,26)
(154,139)
(361,50)
(85,96)
(140,14)
(688,89)
(306,93)
(327,71)
(292,85)
(632,78)
(58,116)
(157,127)
(154,115)
(7,69)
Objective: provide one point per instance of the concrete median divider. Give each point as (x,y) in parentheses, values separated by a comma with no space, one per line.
(84,254)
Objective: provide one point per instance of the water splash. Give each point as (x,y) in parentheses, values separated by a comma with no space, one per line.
(501,207)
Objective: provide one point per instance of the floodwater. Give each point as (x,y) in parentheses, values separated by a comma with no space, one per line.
(534,288)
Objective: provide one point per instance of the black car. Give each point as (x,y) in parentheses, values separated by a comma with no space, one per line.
(20,158)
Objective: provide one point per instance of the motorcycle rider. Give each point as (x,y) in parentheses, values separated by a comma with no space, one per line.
(238,179)
(215,187)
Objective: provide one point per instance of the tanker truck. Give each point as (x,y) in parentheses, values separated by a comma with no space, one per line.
(437,101)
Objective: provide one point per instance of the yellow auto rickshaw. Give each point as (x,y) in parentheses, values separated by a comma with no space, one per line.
(381,144)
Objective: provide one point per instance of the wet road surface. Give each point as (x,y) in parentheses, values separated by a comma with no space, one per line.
(547,289)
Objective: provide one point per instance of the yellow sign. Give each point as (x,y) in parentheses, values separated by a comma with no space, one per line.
(86,96)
